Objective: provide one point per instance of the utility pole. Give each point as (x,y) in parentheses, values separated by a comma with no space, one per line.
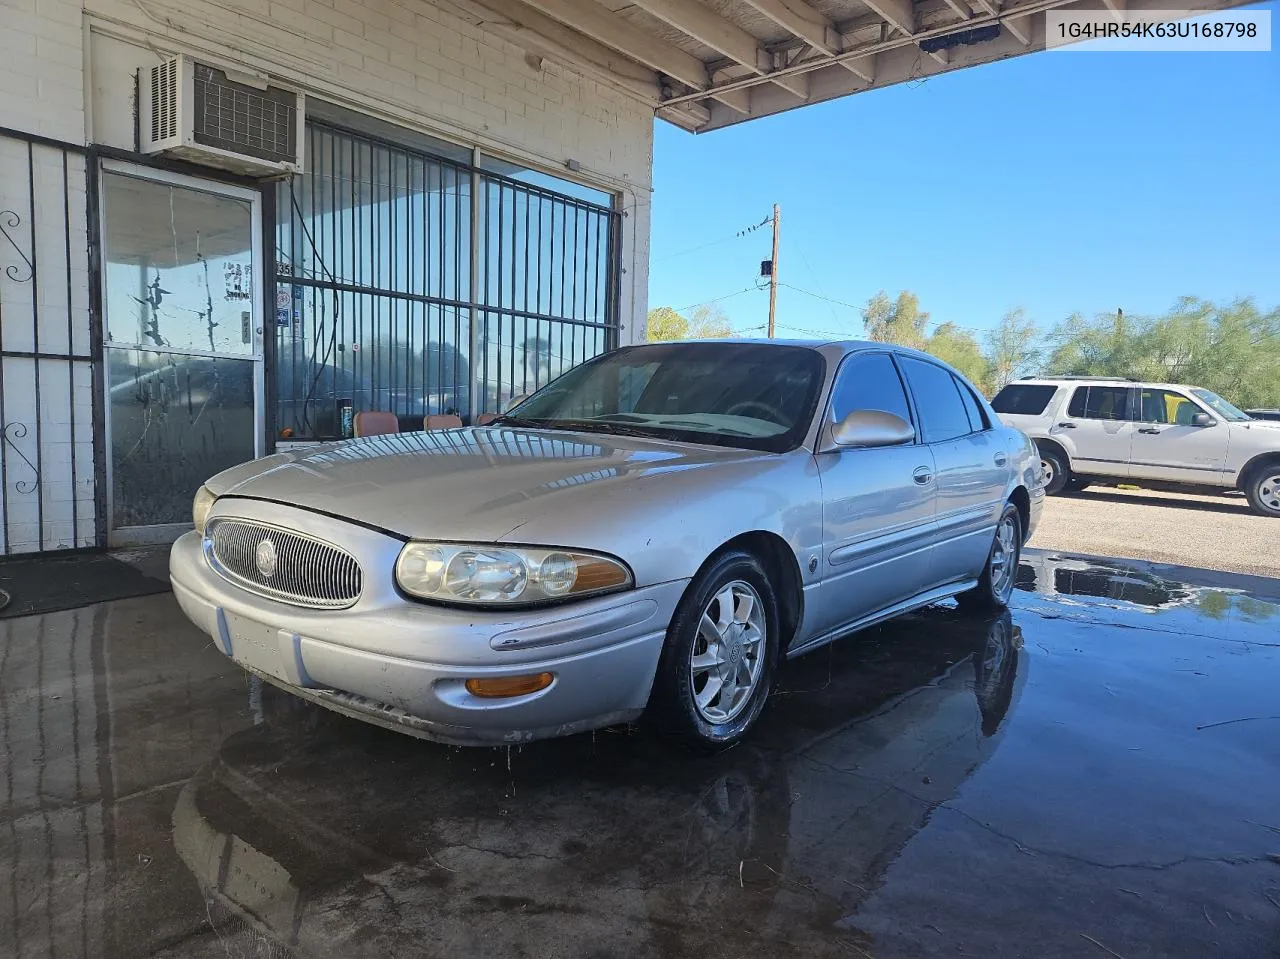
(773,269)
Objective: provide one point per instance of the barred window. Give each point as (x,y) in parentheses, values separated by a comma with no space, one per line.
(376,293)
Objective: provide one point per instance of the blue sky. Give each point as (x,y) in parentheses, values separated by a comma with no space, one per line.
(1058,182)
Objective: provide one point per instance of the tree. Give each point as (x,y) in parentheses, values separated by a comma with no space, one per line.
(708,322)
(960,349)
(1232,349)
(898,321)
(1012,348)
(664,323)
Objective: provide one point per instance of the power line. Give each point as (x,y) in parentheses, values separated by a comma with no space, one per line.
(727,296)
(725,239)
(672,256)
(819,296)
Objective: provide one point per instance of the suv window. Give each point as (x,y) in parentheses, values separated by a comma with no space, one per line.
(1100,403)
(1166,406)
(869,382)
(942,412)
(1023,399)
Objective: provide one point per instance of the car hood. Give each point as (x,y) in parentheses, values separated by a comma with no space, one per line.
(467,483)
(1257,434)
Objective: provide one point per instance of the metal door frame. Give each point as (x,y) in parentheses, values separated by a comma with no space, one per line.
(167,532)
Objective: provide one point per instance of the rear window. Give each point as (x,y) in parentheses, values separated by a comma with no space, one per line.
(1023,399)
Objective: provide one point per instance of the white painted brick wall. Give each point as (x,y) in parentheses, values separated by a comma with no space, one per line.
(412,62)
(42,68)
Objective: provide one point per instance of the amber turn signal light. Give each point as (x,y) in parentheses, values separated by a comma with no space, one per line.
(505,686)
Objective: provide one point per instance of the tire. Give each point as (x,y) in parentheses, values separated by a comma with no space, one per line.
(1056,470)
(995,586)
(1263,489)
(695,656)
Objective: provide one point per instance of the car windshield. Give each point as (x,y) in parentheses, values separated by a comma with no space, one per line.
(1221,406)
(746,395)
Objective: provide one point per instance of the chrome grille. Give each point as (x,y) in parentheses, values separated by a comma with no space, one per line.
(307,571)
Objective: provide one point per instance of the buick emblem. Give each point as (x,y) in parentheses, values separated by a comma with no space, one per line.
(265,557)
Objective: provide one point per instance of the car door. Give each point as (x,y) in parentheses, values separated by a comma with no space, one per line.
(878,504)
(1097,430)
(1167,445)
(971,471)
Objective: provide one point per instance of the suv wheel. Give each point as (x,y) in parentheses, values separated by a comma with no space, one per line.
(1263,489)
(1057,474)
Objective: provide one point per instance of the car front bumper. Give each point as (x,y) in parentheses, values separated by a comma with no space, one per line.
(403,665)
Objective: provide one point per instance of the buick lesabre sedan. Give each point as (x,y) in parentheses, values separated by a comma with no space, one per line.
(646,537)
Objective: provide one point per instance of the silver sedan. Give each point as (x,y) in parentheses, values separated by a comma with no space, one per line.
(646,537)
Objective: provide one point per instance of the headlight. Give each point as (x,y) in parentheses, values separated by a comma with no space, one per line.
(200,508)
(498,575)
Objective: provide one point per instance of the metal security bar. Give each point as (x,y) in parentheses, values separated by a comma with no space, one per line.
(376,298)
(547,264)
(49,406)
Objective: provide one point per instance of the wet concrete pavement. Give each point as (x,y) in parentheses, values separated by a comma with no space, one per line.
(1096,774)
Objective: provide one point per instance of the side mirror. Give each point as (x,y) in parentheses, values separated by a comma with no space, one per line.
(870,428)
(514,402)
(1203,419)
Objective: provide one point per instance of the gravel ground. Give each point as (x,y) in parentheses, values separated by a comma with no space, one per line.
(1208,532)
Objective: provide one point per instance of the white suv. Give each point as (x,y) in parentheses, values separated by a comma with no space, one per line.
(1149,433)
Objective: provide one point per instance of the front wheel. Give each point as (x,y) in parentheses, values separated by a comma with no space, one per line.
(995,586)
(717,666)
(1263,490)
(1057,474)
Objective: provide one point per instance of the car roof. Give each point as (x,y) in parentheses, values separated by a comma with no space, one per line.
(824,345)
(1095,380)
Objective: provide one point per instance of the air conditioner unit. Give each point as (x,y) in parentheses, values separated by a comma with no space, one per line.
(198,113)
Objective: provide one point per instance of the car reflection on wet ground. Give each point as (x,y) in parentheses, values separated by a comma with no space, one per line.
(1096,774)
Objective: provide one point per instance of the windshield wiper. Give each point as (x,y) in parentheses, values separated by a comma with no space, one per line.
(602,426)
(506,420)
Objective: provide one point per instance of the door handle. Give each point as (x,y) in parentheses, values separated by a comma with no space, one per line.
(1067,426)
(922,476)
(1001,459)
(1149,430)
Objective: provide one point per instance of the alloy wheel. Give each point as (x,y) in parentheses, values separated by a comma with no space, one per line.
(728,652)
(1004,557)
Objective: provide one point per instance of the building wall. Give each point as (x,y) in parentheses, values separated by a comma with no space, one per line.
(415,63)
(67,71)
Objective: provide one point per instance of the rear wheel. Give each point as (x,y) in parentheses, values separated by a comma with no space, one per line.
(1057,474)
(995,586)
(1263,489)
(717,666)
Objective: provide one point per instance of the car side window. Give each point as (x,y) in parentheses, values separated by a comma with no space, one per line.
(869,381)
(977,421)
(942,411)
(1100,403)
(1165,406)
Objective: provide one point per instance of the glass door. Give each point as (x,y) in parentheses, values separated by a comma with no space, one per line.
(183,342)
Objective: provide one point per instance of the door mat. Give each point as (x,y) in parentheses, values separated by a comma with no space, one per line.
(49,584)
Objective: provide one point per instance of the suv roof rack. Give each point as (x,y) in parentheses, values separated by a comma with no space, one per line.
(1050,376)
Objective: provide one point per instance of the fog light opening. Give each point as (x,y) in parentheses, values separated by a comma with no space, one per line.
(503,687)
